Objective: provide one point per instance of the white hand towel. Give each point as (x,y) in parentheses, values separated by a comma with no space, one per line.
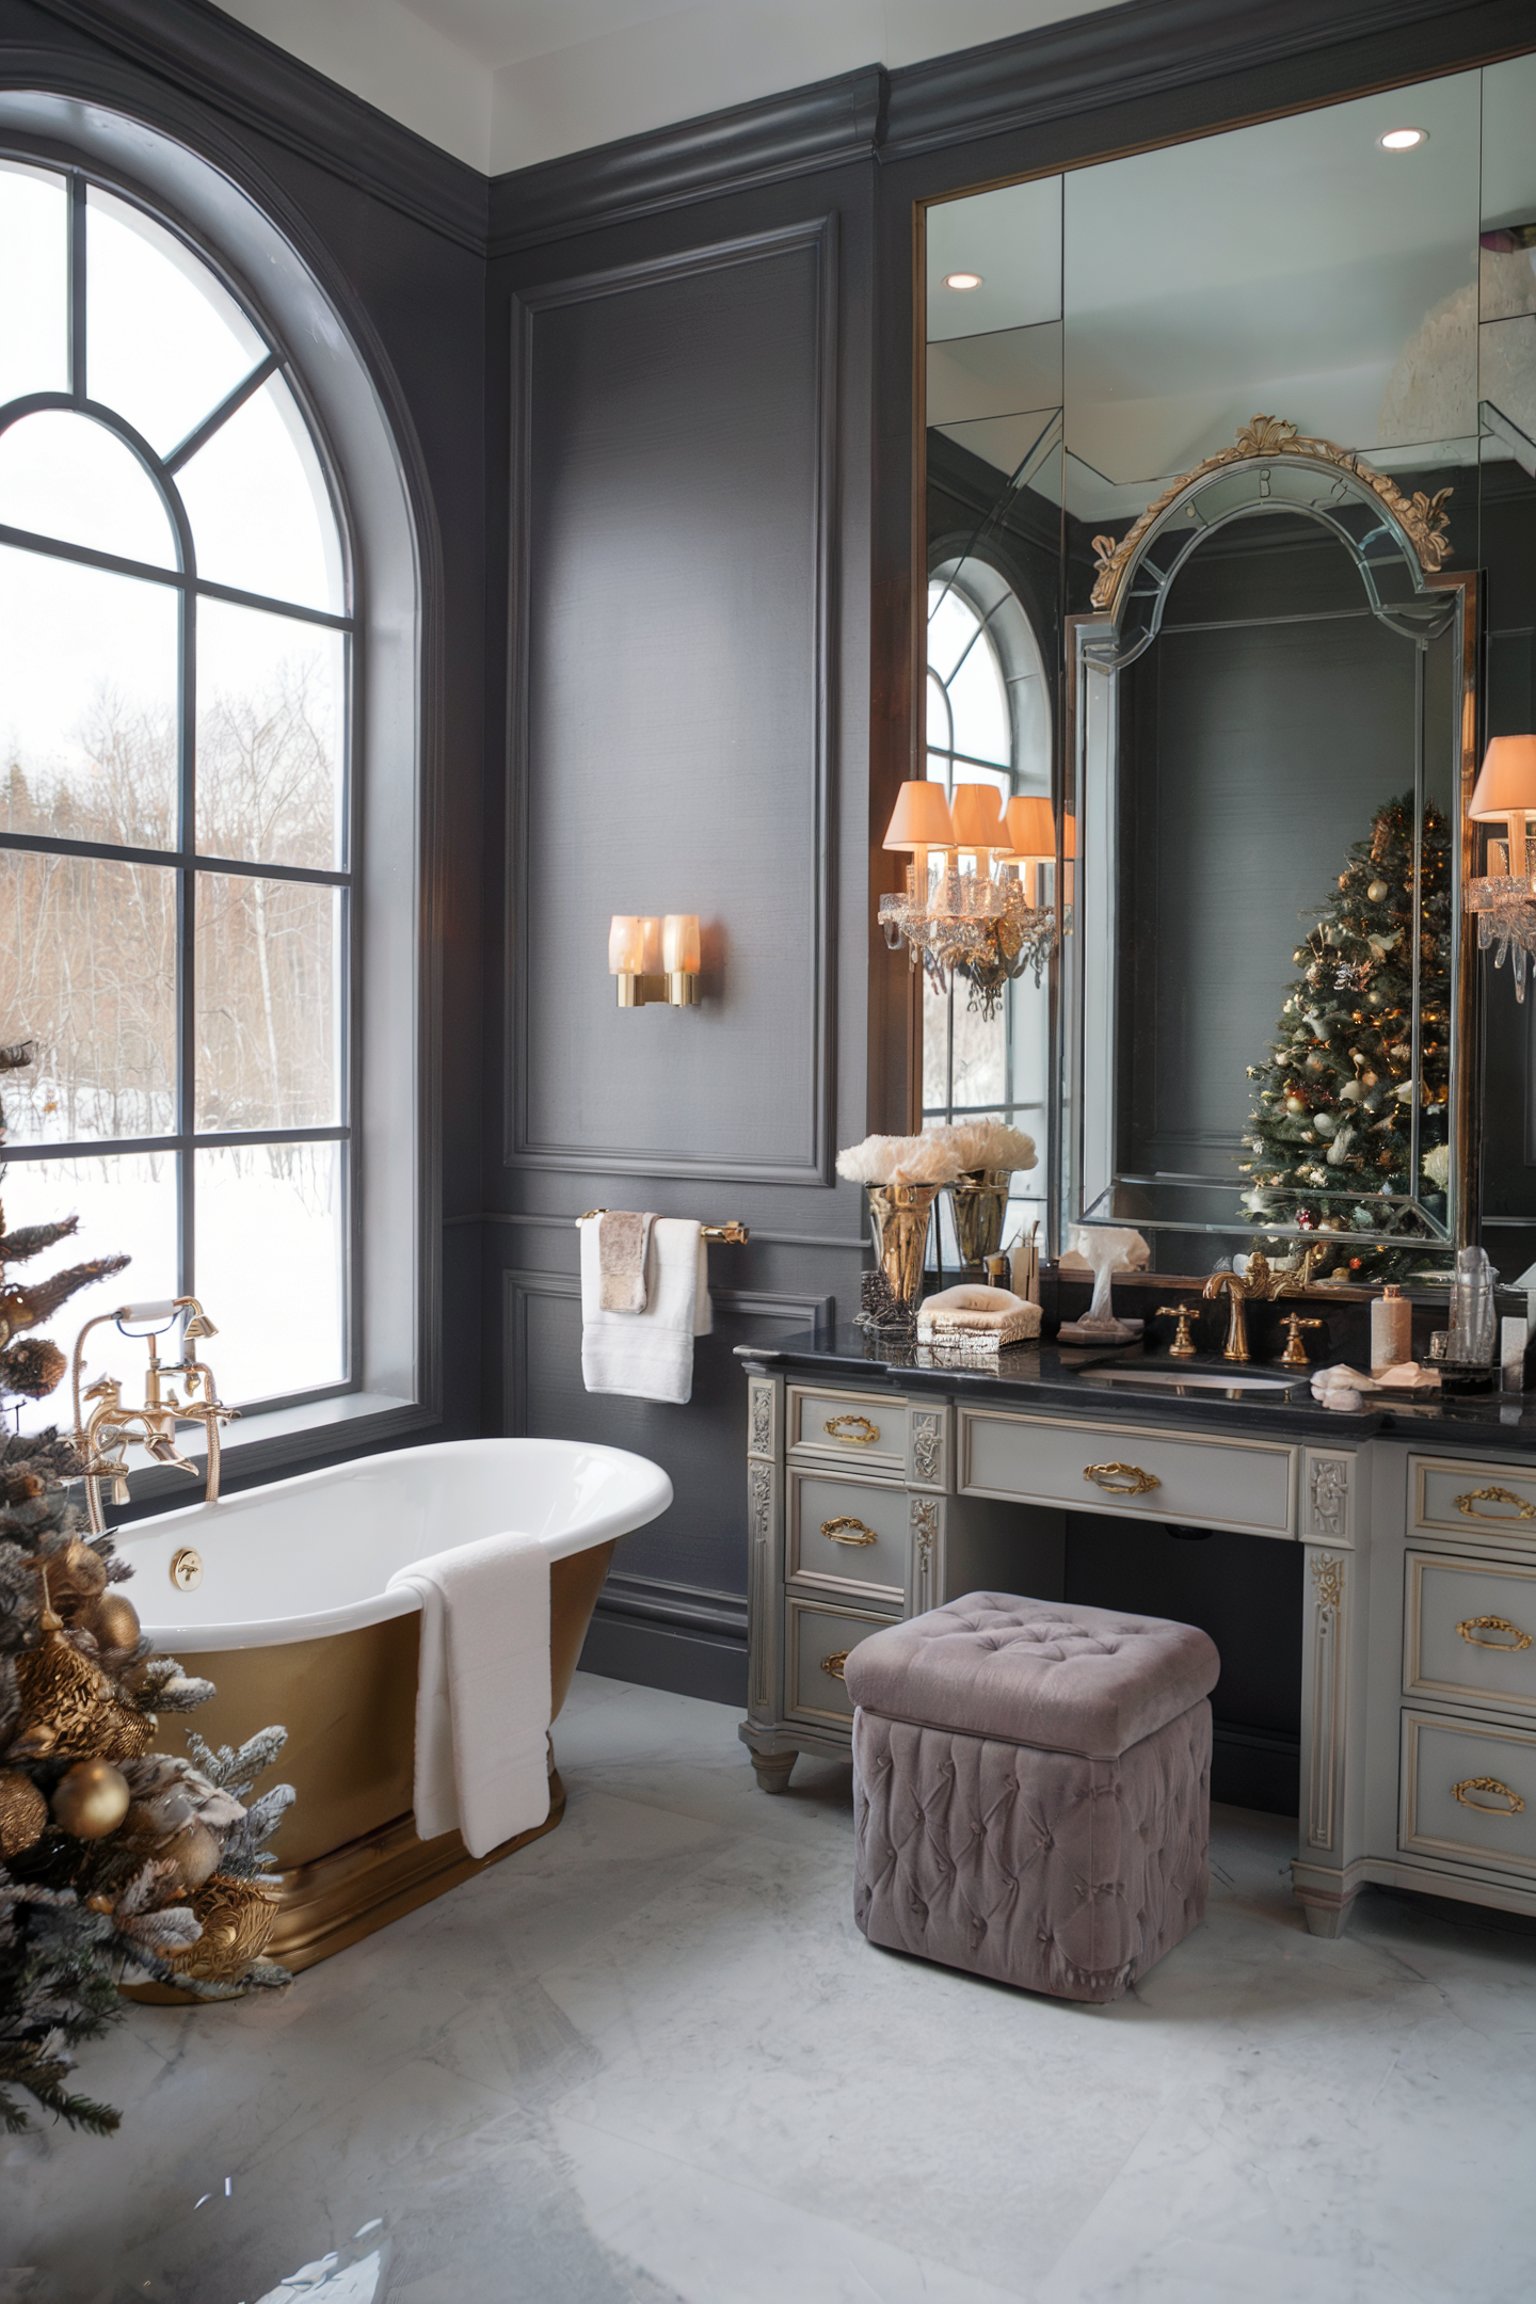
(649,1354)
(482,1689)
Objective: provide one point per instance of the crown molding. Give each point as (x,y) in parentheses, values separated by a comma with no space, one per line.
(231,70)
(1145,47)
(750,144)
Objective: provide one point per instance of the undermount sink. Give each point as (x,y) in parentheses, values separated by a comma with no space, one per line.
(1241,1379)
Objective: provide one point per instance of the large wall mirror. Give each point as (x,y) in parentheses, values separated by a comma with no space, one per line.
(1251,666)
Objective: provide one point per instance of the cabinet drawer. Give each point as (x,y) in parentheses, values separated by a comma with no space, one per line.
(817,1640)
(1239,1484)
(1469,1631)
(867,1428)
(1465,1499)
(1469,1793)
(853,1535)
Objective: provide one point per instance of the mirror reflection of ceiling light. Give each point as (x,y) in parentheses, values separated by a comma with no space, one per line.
(962,279)
(1403,139)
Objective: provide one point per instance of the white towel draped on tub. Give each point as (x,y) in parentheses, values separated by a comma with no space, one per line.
(482,1689)
(648,1354)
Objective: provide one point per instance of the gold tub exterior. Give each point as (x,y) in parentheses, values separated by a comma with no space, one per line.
(349,1859)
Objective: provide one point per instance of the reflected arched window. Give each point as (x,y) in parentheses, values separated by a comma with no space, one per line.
(988,722)
(176,643)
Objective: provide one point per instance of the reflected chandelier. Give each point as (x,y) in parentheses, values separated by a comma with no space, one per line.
(974,904)
(1504,898)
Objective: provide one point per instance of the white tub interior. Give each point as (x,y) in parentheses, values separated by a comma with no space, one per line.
(313,1555)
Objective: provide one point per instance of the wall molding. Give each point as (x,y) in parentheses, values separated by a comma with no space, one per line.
(232,70)
(816,236)
(762,142)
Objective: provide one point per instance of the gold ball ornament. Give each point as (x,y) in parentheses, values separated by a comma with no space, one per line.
(195,1852)
(237,1918)
(90,1800)
(112,1622)
(23,1812)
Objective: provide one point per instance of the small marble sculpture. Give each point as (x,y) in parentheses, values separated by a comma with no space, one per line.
(1104,1250)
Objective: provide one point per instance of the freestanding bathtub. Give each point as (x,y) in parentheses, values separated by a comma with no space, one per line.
(278,1596)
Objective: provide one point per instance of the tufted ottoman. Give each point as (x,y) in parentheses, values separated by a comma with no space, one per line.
(1032,1790)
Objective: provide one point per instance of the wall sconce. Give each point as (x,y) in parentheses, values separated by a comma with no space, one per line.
(653,958)
(1504,898)
(977,910)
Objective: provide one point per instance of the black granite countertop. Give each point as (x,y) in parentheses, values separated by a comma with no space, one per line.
(1073,1382)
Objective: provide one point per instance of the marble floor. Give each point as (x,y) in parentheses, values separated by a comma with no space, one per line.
(651,2061)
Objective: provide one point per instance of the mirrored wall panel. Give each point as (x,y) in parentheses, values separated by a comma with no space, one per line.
(1257,712)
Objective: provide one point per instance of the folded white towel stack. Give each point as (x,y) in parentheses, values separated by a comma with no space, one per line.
(482,1689)
(649,1354)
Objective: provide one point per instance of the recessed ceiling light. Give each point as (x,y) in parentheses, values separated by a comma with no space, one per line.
(1403,139)
(962,279)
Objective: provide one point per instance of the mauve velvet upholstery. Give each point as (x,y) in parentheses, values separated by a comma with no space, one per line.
(1089,1680)
(1058,1869)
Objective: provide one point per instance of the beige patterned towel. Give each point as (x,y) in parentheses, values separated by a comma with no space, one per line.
(623,1246)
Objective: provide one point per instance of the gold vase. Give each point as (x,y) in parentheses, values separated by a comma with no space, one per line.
(901,1214)
(980,1201)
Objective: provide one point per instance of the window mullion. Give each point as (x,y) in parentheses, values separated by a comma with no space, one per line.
(186,953)
(77,288)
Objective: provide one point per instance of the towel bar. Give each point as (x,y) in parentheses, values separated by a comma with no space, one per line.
(733,1235)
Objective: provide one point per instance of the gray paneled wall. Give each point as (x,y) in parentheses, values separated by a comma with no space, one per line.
(687,558)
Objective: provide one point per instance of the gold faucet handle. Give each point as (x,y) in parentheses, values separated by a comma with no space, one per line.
(1295,1353)
(1183,1345)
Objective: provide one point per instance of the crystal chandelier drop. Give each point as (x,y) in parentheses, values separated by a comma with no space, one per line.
(1503,899)
(974,904)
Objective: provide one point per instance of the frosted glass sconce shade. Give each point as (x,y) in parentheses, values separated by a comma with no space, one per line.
(654,958)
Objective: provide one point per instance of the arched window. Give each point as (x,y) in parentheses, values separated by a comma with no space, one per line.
(988,722)
(176,668)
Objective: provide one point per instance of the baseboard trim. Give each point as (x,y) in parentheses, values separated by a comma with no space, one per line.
(1256,1768)
(655,1655)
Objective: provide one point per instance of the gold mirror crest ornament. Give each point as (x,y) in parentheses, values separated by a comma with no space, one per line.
(1422,518)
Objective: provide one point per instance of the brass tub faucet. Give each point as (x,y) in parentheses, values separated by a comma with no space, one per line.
(111,1428)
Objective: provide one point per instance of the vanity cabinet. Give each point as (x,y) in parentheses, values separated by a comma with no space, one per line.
(875,1499)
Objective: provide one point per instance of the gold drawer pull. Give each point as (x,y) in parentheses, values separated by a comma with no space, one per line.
(1471,1626)
(1467,1505)
(1471,1784)
(833,1667)
(1122,1479)
(856,1430)
(846,1530)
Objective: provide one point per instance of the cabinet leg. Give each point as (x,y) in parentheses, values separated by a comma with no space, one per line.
(772,1770)
(1326,1918)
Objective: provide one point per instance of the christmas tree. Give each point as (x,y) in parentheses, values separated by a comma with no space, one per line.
(1332,1125)
(116,1861)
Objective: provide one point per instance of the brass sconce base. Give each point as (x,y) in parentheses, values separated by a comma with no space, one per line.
(678,989)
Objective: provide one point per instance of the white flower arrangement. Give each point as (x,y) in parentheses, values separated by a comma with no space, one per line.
(1437,1167)
(899,1160)
(986,1144)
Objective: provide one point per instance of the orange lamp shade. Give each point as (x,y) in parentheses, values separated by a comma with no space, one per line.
(920,818)
(680,943)
(1031,829)
(1506,782)
(1069,836)
(976,812)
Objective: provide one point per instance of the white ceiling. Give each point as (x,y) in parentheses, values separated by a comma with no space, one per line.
(504,83)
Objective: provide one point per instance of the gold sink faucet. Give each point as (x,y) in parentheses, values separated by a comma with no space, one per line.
(111,1428)
(1238,1291)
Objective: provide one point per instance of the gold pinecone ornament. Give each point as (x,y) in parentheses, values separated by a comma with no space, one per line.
(23,1813)
(68,1706)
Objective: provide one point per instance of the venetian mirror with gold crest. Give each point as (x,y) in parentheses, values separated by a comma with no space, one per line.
(1230,470)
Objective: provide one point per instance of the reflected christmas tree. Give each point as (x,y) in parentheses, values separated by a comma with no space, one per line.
(1332,1130)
